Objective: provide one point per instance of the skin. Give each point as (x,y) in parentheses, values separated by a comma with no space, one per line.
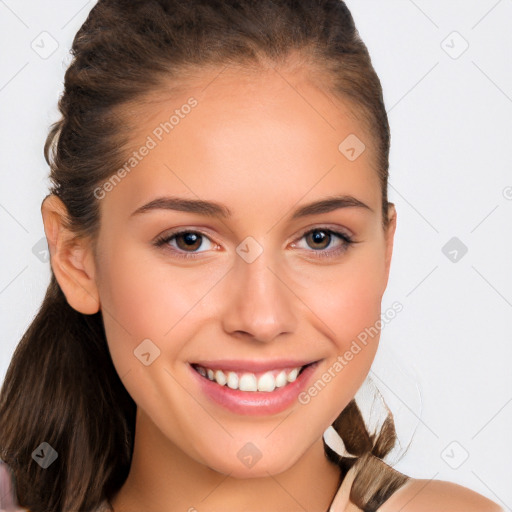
(262,146)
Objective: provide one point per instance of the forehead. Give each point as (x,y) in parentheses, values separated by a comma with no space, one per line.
(235,132)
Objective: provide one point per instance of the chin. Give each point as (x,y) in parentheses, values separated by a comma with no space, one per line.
(249,463)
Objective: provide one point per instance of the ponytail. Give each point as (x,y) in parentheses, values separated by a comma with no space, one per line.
(62,389)
(374,480)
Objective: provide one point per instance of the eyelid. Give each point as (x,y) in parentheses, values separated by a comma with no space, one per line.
(346,242)
(327,227)
(166,236)
(205,231)
(342,233)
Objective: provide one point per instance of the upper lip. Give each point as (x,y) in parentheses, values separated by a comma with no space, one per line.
(253,366)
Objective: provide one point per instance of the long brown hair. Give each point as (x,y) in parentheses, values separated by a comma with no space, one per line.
(61,386)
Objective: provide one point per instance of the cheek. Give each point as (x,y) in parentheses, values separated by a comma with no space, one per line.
(346,297)
(349,304)
(145,299)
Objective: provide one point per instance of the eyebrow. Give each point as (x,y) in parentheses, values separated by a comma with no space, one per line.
(213,209)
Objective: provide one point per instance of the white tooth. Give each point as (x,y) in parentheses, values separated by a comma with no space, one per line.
(220,377)
(281,379)
(201,371)
(248,382)
(210,373)
(232,380)
(266,382)
(293,374)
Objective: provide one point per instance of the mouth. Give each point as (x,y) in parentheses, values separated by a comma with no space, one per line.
(252,388)
(267,381)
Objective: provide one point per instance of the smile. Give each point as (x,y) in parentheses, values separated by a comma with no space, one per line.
(252,388)
(248,381)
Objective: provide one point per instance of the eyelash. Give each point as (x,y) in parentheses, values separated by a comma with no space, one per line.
(321,253)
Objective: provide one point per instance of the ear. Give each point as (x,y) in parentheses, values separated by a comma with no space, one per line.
(71,258)
(389,238)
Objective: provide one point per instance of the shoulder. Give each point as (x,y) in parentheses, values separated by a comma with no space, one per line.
(423,495)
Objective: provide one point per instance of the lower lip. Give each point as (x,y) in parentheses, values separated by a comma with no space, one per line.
(256,403)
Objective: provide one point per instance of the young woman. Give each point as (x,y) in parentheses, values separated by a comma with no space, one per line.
(220,237)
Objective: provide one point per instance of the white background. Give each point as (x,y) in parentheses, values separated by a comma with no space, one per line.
(444,361)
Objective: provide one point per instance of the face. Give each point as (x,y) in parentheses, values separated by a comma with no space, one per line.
(252,295)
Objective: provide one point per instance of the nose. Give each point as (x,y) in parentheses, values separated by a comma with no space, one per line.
(260,304)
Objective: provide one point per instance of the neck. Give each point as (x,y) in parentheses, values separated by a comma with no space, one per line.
(163,478)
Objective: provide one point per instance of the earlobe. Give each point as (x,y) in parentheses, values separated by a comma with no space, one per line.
(390,235)
(71,258)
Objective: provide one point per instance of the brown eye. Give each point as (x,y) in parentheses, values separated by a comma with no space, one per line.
(185,244)
(319,238)
(191,240)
